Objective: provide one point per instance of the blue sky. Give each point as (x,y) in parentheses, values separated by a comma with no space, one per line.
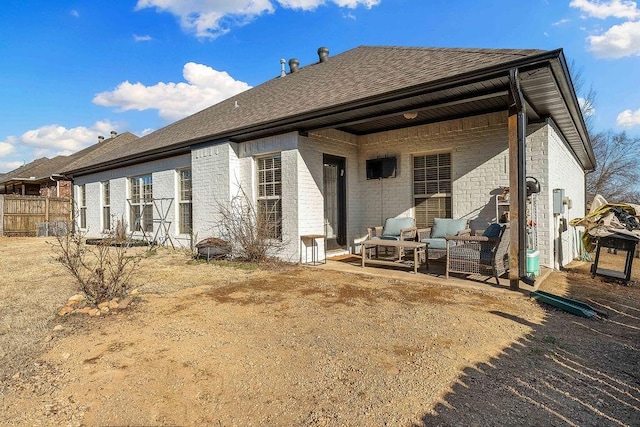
(75,69)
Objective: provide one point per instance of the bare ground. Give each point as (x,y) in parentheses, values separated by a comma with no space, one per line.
(216,344)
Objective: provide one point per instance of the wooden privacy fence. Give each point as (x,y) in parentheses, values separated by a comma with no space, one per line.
(24,215)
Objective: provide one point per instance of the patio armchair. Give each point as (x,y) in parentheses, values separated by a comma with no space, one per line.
(486,255)
(437,235)
(400,229)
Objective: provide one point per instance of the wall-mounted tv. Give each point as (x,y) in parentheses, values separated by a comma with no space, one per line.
(381,168)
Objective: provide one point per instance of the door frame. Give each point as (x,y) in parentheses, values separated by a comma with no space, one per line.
(340,162)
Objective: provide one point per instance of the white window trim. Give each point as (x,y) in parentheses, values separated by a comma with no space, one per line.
(82,206)
(103,205)
(142,203)
(258,198)
(438,195)
(180,202)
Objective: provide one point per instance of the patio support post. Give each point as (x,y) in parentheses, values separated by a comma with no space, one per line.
(517,125)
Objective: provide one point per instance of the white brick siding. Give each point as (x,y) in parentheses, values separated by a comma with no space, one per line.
(214,171)
(478,147)
(480,167)
(163,174)
(339,144)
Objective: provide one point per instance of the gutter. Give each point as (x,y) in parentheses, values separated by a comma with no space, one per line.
(560,67)
(521,168)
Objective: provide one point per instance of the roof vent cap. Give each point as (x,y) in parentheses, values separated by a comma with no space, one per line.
(100,138)
(282,70)
(113,134)
(294,64)
(323,54)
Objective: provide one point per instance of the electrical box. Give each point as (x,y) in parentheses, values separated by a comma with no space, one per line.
(558,201)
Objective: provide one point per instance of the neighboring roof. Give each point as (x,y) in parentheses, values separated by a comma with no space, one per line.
(43,168)
(361,84)
(37,170)
(95,153)
(22,170)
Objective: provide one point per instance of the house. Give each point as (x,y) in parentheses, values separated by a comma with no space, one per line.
(37,195)
(43,177)
(457,124)
(38,178)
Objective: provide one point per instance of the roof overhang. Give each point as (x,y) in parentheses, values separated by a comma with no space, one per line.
(545,82)
(544,78)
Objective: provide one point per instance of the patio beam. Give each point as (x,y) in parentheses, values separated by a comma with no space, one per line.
(517,125)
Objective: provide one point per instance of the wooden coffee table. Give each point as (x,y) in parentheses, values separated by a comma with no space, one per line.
(420,251)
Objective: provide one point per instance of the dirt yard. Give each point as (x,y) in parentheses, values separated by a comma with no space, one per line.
(231,345)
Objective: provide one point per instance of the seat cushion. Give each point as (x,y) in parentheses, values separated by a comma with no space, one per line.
(447,226)
(493,231)
(392,226)
(383,237)
(435,243)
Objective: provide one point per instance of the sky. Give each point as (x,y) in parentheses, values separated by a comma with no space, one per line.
(71,70)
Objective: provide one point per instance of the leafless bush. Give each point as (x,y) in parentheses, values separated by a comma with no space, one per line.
(103,270)
(256,234)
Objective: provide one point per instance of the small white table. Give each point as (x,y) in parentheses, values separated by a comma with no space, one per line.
(419,252)
(313,238)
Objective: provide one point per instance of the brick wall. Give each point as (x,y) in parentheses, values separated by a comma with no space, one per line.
(478,147)
(566,173)
(164,178)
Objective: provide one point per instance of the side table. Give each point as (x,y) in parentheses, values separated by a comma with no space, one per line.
(314,240)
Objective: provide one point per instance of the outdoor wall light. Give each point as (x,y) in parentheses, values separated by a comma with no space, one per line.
(410,115)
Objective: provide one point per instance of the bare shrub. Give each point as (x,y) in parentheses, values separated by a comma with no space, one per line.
(256,234)
(102,271)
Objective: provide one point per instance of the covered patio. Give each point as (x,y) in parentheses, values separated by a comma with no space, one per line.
(514,99)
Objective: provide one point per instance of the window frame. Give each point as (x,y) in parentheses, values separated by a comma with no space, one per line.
(82,206)
(437,192)
(106,205)
(269,194)
(141,202)
(185,202)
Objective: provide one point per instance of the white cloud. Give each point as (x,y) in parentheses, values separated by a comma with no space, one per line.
(560,22)
(213,18)
(53,140)
(624,9)
(628,118)
(9,166)
(210,18)
(617,42)
(144,38)
(75,13)
(7,148)
(204,87)
(352,4)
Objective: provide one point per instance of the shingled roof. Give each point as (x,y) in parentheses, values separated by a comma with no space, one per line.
(36,170)
(96,153)
(343,81)
(42,168)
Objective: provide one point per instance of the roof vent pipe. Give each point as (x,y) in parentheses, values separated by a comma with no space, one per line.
(113,134)
(323,54)
(293,65)
(282,71)
(100,138)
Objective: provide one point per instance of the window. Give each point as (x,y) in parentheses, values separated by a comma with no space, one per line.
(141,203)
(270,196)
(82,204)
(431,188)
(106,206)
(185,221)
